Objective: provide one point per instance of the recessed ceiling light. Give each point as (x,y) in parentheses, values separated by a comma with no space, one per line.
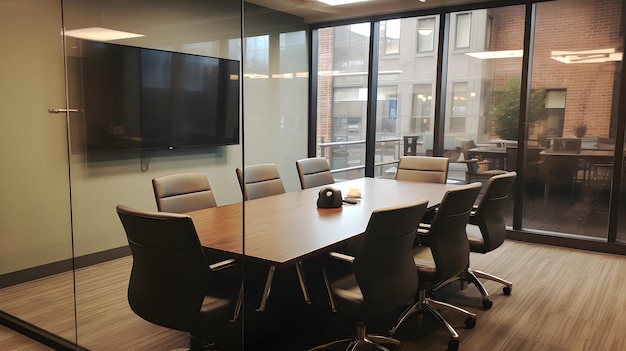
(100,34)
(340,2)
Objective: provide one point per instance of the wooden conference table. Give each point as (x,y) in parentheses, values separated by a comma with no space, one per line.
(285,229)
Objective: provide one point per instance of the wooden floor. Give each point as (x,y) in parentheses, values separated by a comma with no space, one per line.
(562,299)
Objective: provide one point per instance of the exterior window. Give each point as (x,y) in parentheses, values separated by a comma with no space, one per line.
(488,29)
(459,99)
(422,107)
(257,49)
(462,35)
(555,105)
(425,34)
(390,37)
(459,107)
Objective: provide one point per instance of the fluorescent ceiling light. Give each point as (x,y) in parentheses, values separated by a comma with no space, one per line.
(588,56)
(486,55)
(340,2)
(100,34)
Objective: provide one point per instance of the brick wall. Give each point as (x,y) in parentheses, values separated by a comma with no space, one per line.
(568,25)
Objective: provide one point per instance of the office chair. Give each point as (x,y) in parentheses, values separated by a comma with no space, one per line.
(186,192)
(475,173)
(170,282)
(410,145)
(314,171)
(423,169)
(259,181)
(486,229)
(183,192)
(445,259)
(383,278)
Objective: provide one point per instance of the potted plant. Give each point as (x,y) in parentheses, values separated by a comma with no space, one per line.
(505,110)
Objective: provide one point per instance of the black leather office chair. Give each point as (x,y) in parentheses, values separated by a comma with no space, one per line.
(445,259)
(423,169)
(314,171)
(383,278)
(486,230)
(170,282)
(259,181)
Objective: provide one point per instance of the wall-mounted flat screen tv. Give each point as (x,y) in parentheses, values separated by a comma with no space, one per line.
(145,99)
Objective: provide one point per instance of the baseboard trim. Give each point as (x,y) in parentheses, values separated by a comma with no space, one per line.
(53,268)
(40,335)
(571,241)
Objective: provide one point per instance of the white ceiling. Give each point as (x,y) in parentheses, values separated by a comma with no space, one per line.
(313,11)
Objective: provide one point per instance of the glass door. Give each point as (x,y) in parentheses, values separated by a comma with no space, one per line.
(36,281)
(143,77)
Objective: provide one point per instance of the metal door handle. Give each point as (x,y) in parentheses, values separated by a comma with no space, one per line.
(62,110)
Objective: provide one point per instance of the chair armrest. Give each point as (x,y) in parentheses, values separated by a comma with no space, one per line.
(342,257)
(218,266)
(473,210)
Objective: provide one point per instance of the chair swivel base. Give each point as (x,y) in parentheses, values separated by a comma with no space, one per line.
(472,275)
(361,338)
(425,304)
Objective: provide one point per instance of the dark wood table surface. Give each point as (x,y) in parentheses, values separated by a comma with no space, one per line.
(286,228)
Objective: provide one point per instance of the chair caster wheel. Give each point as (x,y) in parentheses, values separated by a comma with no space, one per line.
(470,322)
(487,303)
(506,290)
(453,345)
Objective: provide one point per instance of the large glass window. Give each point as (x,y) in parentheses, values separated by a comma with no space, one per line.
(574,71)
(342,97)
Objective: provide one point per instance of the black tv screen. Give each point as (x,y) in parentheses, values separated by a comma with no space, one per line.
(146,99)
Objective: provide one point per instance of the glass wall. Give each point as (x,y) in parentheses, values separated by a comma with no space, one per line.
(568,109)
(64,257)
(35,226)
(576,67)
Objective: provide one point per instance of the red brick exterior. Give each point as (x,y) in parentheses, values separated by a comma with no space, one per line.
(569,25)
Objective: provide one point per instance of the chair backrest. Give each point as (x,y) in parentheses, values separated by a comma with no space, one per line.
(183,192)
(410,145)
(466,145)
(260,181)
(168,280)
(314,171)
(423,169)
(447,238)
(489,216)
(383,264)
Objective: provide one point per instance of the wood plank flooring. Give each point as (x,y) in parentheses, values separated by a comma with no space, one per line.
(562,299)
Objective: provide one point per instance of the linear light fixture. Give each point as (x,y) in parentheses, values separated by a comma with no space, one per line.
(486,55)
(587,56)
(100,34)
(340,2)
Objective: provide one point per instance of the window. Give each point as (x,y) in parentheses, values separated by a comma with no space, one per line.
(462,34)
(488,29)
(422,108)
(390,37)
(459,99)
(425,34)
